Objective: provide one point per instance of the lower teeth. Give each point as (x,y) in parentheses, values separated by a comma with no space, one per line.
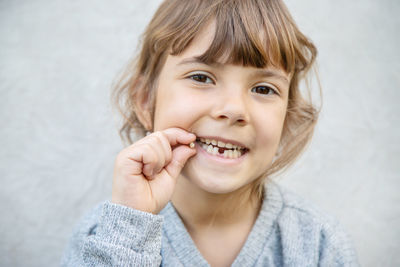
(228,153)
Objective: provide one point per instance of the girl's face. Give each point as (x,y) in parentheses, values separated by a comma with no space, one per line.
(232,104)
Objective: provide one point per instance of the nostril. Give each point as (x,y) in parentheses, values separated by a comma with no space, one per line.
(233,117)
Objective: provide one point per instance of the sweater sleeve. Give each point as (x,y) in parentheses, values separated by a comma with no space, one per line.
(115,235)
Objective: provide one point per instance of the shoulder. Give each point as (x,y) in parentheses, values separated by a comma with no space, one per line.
(87,224)
(298,207)
(302,224)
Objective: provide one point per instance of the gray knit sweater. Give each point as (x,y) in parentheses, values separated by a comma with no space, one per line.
(288,232)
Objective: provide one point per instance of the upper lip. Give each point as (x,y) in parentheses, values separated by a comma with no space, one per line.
(225,140)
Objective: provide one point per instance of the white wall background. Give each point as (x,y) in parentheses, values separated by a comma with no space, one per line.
(59,137)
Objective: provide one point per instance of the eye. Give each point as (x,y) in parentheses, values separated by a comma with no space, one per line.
(201,78)
(264,90)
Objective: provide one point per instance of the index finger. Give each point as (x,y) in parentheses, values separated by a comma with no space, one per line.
(177,136)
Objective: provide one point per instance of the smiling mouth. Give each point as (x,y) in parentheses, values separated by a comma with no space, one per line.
(222,149)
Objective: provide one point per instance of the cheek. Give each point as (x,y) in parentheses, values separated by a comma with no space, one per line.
(177,109)
(270,127)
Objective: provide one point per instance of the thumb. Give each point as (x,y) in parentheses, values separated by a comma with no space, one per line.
(180,155)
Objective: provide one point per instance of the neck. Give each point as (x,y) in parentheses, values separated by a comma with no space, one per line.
(200,209)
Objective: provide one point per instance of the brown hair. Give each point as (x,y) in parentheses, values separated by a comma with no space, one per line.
(256,33)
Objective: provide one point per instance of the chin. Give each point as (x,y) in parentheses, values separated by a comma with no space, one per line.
(214,183)
(215,188)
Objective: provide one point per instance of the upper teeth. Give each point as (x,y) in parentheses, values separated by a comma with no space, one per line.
(220,143)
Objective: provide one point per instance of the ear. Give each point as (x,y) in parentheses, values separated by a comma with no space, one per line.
(144,105)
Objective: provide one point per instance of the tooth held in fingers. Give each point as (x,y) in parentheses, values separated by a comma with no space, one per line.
(191,145)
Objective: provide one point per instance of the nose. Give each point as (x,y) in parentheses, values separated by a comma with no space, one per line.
(232,108)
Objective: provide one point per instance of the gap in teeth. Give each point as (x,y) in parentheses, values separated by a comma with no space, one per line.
(214,150)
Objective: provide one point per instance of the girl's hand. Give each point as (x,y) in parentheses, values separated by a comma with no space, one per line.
(145,172)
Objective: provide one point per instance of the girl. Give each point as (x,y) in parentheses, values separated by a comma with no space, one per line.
(216,87)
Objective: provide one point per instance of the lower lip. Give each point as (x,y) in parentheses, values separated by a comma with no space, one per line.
(220,159)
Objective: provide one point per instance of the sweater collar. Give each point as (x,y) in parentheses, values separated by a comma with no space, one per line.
(187,252)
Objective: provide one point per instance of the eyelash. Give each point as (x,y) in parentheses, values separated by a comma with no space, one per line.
(197,77)
(264,87)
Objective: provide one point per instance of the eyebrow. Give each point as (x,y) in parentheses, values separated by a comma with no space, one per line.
(270,74)
(194,60)
(257,73)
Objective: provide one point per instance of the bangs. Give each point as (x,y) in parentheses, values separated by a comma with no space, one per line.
(247,32)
